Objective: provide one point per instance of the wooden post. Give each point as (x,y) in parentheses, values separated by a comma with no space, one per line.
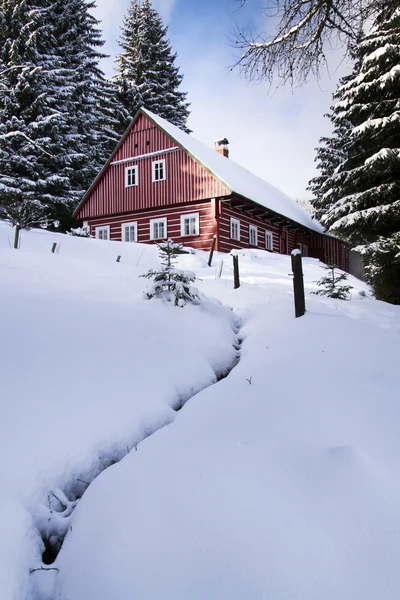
(118,258)
(53,248)
(236,280)
(16,236)
(298,284)
(212,250)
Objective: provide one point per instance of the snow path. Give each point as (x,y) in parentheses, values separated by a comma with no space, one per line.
(54,523)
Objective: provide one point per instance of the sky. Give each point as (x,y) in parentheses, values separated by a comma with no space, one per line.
(272,135)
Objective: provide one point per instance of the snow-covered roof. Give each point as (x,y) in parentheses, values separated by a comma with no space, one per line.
(237,178)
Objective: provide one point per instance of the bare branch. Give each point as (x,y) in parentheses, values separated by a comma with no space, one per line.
(301,29)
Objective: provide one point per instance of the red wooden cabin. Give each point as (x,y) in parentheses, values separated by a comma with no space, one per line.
(160,182)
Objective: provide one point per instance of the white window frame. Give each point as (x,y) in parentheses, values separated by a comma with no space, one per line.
(128,170)
(253,230)
(195,216)
(235,222)
(123,227)
(154,168)
(99,232)
(269,236)
(153,222)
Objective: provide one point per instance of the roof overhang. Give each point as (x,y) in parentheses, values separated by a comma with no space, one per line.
(246,205)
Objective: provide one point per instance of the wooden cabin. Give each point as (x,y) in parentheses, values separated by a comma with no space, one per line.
(160,182)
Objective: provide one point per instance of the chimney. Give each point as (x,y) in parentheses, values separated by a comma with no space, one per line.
(221,146)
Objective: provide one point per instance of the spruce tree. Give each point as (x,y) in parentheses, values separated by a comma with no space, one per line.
(360,197)
(56,108)
(169,283)
(331,284)
(30,124)
(147,76)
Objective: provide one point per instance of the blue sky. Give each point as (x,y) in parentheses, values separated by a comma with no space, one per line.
(272,136)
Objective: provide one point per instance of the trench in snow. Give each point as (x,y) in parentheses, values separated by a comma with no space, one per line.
(55,523)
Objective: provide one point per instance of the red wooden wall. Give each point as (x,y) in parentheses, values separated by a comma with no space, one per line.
(173,215)
(186,180)
(283,241)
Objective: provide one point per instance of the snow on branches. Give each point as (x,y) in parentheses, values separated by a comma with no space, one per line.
(330,285)
(169,283)
(296,47)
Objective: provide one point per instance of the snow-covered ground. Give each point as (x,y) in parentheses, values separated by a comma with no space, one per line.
(279,481)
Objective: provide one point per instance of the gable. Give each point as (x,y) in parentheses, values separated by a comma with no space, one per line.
(145,142)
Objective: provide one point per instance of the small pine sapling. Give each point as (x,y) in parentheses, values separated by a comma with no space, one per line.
(330,284)
(169,283)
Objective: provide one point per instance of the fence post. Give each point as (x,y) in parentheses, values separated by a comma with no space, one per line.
(212,250)
(16,236)
(236,280)
(298,284)
(53,248)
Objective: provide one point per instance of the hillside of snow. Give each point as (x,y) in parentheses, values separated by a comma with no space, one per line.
(226,450)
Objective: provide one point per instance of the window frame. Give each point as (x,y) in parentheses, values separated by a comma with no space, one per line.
(269,235)
(102,228)
(127,172)
(234,221)
(130,224)
(196,216)
(253,229)
(152,223)
(153,170)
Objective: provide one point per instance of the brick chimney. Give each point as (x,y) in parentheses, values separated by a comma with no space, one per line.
(221,146)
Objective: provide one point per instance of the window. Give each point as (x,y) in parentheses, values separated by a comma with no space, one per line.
(235,229)
(129,232)
(269,240)
(158,228)
(159,170)
(103,233)
(190,224)
(131,176)
(253,237)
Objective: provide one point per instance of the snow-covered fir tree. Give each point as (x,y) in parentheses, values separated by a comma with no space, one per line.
(332,285)
(30,125)
(169,283)
(89,102)
(147,76)
(358,196)
(56,107)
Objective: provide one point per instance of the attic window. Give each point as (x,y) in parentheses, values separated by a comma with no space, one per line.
(131,176)
(159,171)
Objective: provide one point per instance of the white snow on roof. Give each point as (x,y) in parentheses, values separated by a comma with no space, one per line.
(237,178)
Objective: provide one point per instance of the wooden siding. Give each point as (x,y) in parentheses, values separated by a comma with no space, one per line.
(330,250)
(283,241)
(173,215)
(186,180)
